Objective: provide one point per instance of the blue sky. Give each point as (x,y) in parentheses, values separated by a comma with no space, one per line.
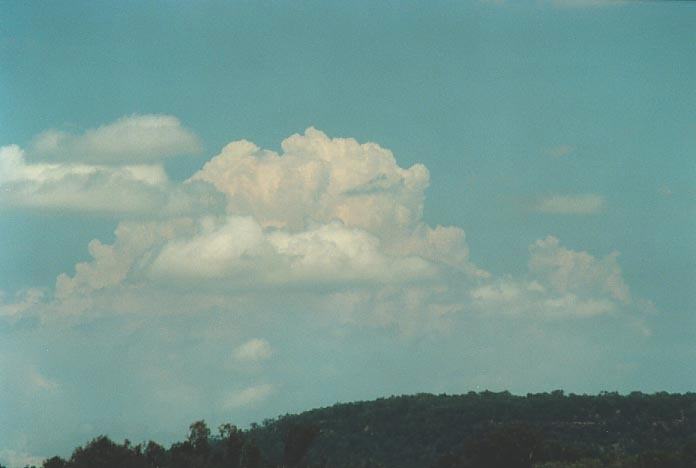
(148,264)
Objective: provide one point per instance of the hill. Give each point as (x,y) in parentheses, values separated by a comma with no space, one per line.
(417,431)
(475,430)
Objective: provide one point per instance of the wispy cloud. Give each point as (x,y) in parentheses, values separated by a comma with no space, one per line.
(247,396)
(560,151)
(571,204)
(254,350)
(132,139)
(583,3)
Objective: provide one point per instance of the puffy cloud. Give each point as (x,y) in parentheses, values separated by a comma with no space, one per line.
(335,218)
(247,396)
(17,459)
(111,264)
(215,250)
(134,189)
(128,140)
(571,204)
(254,350)
(560,283)
(23,301)
(320,248)
(319,179)
(577,272)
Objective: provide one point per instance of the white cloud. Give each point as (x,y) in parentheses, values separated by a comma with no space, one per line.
(112,263)
(584,3)
(254,350)
(324,240)
(23,301)
(319,179)
(577,272)
(130,189)
(571,204)
(665,191)
(40,382)
(128,140)
(18,459)
(560,283)
(247,396)
(218,249)
(560,151)
(292,222)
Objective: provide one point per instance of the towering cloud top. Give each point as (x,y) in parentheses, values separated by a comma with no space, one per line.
(319,179)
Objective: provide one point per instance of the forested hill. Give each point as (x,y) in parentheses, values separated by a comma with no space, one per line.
(417,431)
(476,430)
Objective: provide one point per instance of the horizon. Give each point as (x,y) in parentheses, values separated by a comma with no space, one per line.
(227,211)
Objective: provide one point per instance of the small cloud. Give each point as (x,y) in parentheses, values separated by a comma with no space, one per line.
(128,189)
(583,3)
(40,382)
(15,458)
(560,151)
(131,139)
(571,204)
(23,302)
(254,350)
(247,396)
(665,191)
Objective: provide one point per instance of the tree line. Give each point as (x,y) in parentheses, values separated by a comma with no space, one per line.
(475,430)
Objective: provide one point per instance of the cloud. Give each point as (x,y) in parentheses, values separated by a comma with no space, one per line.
(584,3)
(560,283)
(566,270)
(319,179)
(134,189)
(321,248)
(40,382)
(247,396)
(254,350)
(560,151)
(665,191)
(23,301)
(135,139)
(19,459)
(292,221)
(571,204)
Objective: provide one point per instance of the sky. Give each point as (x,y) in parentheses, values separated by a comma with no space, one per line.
(234,210)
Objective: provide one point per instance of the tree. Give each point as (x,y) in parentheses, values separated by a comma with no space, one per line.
(250,456)
(102,452)
(155,454)
(507,447)
(55,462)
(298,439)
(232,440)
(198,436)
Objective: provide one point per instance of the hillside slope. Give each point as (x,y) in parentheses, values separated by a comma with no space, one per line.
(416,431)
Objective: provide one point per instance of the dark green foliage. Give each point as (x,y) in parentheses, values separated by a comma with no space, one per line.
(232,442)
(514,446)
(297,440)
(155,455)
(105,453)
(55,462)
(251,456)
(476,430)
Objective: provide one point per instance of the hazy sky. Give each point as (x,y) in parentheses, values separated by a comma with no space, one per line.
(231,210)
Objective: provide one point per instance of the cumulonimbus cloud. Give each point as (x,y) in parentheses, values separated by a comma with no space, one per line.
(330,216)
